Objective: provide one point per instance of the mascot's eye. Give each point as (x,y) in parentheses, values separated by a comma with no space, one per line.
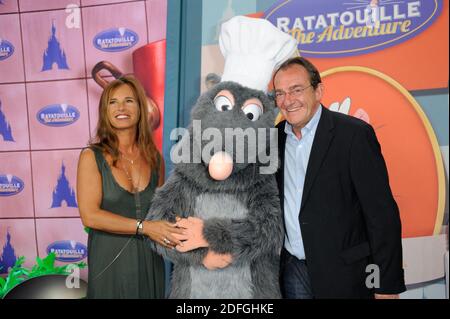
(252,111)
(222,103)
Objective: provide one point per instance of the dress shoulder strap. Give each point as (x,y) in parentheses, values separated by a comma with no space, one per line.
(99,158)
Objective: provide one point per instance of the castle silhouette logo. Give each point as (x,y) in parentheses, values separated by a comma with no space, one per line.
(8,257)
(54,54)
(5,127)
(63,191)
(10,185)
(115,40)
(57,115)
(6,49)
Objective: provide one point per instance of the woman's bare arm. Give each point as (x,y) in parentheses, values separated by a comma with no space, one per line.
(89,195)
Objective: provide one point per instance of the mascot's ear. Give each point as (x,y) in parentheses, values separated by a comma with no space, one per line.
(211,80)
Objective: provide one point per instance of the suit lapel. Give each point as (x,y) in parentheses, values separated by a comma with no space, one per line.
(322,139)
(281,147)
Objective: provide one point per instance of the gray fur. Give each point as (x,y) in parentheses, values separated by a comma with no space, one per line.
(242,213)
(234,282)
(210,205)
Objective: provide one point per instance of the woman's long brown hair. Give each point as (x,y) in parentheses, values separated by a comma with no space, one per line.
(106,139)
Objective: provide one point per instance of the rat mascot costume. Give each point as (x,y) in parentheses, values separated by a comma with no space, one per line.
(230,204)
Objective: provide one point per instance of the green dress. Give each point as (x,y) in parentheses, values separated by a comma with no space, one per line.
(138,272)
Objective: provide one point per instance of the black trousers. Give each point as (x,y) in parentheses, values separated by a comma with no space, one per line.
(294,279)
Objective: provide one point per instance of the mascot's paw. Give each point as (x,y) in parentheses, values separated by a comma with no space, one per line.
(193,229)
(214,260)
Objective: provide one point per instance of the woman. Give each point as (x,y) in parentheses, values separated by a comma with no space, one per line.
(117,177)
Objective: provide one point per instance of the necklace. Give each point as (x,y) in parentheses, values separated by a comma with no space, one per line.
(128,159)
(135,188)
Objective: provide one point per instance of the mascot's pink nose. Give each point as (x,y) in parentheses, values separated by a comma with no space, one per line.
(220,166)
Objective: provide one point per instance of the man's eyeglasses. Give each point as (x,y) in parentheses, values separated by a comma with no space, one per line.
(294,93)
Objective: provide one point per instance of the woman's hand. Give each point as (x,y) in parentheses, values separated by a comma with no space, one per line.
(163,233)
(193,229)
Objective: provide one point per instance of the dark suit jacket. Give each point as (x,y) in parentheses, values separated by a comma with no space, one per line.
(348,216)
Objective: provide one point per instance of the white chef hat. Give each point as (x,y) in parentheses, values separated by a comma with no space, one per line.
(252,49)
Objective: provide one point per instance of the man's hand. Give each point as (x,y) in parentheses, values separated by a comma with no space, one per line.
(193,230)
(214,260)
(382,296)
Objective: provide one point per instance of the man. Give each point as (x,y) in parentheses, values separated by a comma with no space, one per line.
(339,212)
